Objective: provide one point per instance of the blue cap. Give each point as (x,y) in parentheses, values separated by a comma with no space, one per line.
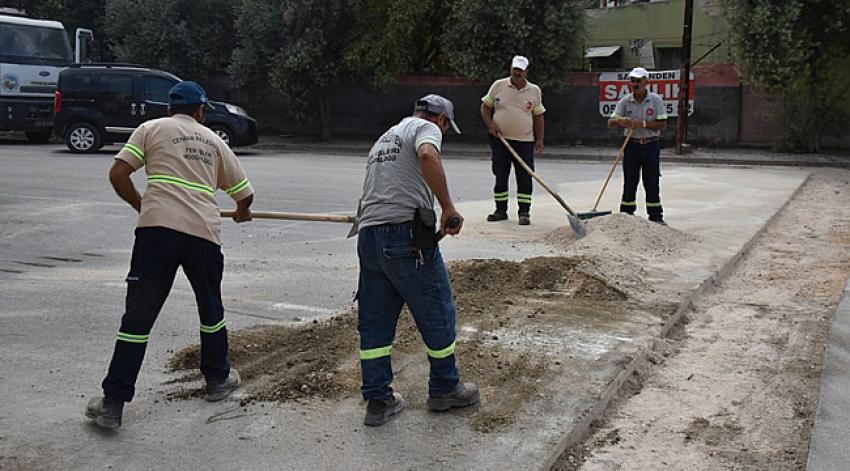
(187,92)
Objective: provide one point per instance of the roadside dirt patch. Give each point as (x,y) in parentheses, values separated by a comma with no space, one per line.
(503,307)
(712,432)
(738,388)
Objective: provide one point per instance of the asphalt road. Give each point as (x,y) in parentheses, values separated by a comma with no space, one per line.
(57,204)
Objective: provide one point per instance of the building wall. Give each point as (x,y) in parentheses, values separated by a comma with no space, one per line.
(572,112)
(661,22)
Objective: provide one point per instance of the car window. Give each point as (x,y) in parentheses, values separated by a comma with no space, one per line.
(119,84)
(156,88)
(77,83)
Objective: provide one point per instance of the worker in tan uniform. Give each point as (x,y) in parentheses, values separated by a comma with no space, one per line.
(513,107)
(178,226)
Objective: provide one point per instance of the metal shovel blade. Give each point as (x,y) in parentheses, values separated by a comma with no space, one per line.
(577,226)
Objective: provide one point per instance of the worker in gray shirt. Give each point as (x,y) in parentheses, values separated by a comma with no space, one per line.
(400,261)
(645,113)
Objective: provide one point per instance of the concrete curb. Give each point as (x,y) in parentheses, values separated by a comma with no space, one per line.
(828,448)
(578,157)
(581,430)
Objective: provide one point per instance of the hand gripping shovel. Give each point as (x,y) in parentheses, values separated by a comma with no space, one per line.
(593,212)
(577,226)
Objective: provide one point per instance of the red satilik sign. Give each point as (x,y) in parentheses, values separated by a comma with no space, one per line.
(615,85)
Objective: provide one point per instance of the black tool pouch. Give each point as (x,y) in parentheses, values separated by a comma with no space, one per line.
(424,229)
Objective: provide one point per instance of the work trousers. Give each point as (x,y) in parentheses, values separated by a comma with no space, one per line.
(157,253)
(393,273)
(642,160)
(502,161)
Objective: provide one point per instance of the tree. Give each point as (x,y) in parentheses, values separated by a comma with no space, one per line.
(482,36)
(795,49)
(186,37)
(315,34)
(397,37)
(259,38)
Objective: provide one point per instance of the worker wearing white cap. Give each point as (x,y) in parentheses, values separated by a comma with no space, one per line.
(645,113)
(513,107)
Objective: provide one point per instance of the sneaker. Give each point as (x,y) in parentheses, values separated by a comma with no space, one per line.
(379,411)
(216,391)
(524,219)
(497,215)
(106,414)
(464,395)
(659,221)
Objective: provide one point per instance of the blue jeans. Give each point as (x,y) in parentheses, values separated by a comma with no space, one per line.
(392,273)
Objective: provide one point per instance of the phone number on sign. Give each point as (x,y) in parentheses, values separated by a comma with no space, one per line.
(607,108)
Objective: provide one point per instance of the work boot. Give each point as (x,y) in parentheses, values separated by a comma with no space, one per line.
(379,411)
(498,215)
(658,221)
(524,219)
(105,413)
(218,390)
(465,394)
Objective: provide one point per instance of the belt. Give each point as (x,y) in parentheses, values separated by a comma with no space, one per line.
(648,140)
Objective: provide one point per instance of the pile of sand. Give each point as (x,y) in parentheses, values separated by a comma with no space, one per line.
(623,250)
(621,232)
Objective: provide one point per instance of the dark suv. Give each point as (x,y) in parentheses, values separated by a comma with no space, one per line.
(99,104)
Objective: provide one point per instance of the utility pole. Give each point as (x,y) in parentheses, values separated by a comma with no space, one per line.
(684,79)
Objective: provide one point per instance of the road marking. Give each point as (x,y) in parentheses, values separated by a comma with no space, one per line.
(301,307)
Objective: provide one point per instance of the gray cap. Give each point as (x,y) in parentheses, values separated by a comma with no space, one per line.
(436,104)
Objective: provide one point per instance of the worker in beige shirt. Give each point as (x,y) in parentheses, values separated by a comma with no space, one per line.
(178,226)
(513,107)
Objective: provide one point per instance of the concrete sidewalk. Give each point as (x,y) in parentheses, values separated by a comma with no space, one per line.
(829,449)
(701,156)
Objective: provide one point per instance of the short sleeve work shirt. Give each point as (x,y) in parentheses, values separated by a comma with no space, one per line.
(651,109)
(514,108)
(185,163)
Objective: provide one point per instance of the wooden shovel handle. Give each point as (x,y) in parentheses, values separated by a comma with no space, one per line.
(616,161)
(534,175)
(325,217)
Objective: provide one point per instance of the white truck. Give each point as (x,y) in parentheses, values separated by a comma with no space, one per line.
(32,52)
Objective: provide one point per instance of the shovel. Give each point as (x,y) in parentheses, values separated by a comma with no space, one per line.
(324,217)
(593,212)
(575,224)
(321,217)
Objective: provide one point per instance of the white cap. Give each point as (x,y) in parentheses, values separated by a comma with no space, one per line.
(519,62)
(639,72)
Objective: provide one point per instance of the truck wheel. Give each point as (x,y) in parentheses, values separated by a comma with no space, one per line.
(224,133)
(39,137)
(83,137)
